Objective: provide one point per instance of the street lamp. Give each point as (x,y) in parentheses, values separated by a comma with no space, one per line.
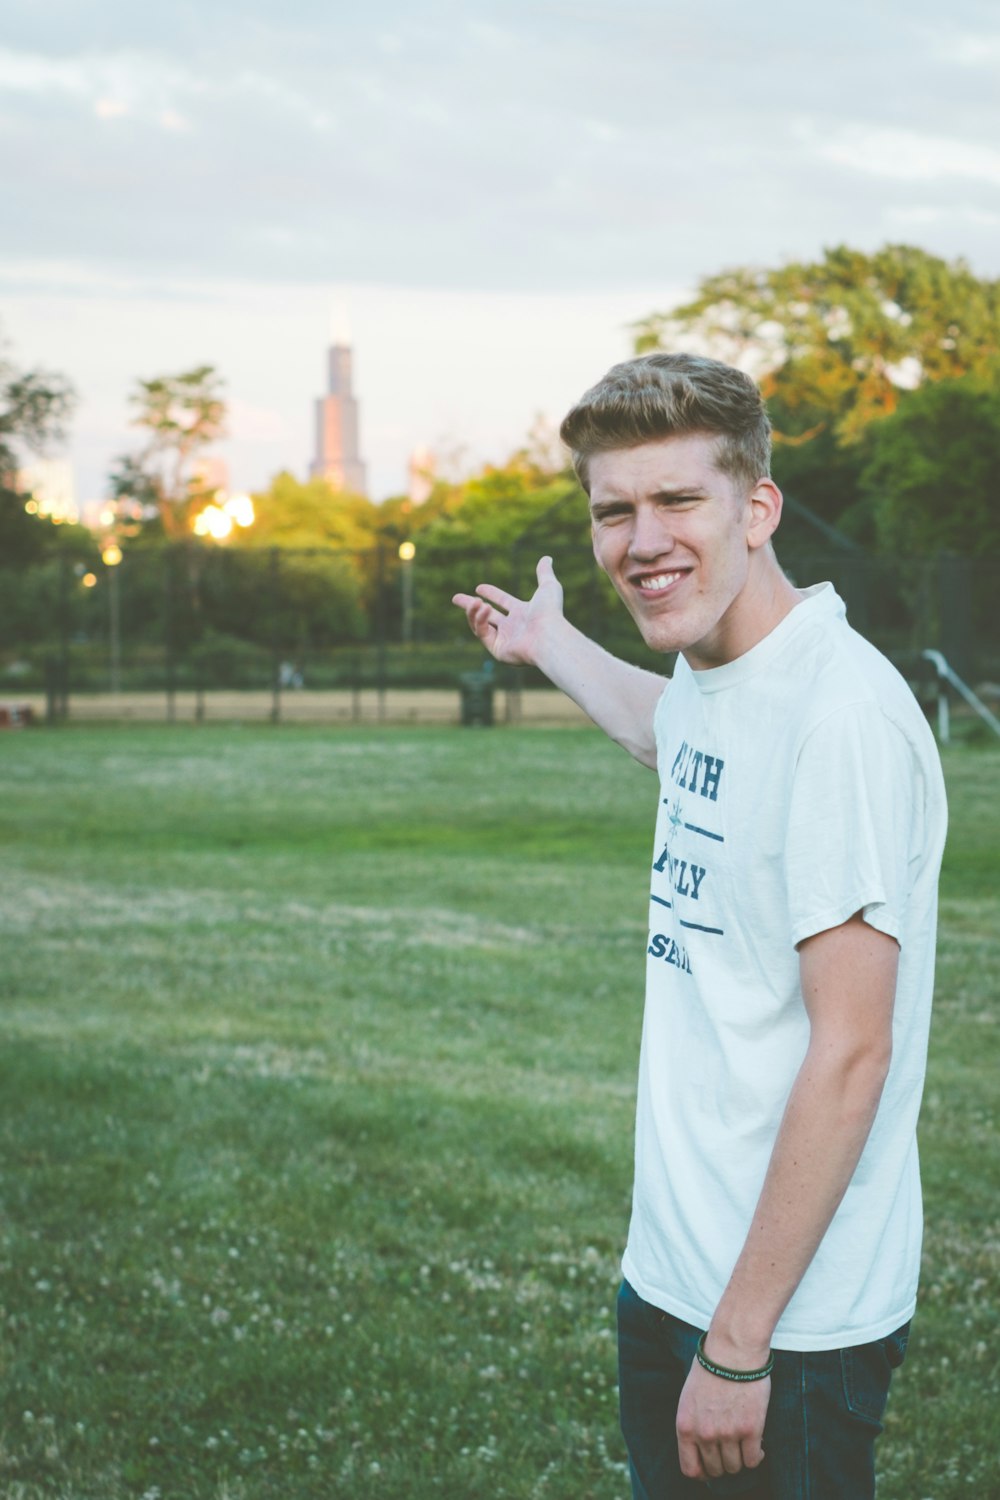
(407,552)
(111,556)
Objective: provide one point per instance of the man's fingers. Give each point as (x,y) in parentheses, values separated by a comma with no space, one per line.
(486,592)
(500,597)
(475,606)
(468,602)
(484,621)
(731,1455)
(753,1453)
(497,596)
(711,1461)
(690,1459)
(481,617)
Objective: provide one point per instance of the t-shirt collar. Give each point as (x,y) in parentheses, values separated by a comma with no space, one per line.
(819,602)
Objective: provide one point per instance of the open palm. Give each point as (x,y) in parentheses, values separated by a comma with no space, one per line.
(510,628)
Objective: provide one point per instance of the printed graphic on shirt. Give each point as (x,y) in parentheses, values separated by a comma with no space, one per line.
(667,948)
(697,771)
(688,836)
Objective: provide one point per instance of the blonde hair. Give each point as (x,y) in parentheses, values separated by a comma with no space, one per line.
(664,395)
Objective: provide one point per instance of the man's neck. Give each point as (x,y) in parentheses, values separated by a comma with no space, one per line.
(765,600)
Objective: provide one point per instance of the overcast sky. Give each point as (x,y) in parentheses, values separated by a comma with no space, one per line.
(488,192)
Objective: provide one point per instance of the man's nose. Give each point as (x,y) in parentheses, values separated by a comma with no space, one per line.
(651,535)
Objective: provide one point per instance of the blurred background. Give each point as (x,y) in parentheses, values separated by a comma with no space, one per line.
(293,304)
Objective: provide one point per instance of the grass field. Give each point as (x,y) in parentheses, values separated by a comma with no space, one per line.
(317,1083)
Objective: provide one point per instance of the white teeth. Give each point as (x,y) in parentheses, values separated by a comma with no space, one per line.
(661,581)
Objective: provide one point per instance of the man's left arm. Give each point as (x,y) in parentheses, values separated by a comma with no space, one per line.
(848,977)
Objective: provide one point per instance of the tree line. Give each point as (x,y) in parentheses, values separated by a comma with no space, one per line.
(881,372)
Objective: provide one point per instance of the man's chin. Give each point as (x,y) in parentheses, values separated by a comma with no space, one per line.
(661,635)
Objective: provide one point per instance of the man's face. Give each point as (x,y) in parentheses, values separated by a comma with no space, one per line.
(676,537)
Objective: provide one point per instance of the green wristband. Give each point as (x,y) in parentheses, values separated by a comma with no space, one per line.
(724,1374)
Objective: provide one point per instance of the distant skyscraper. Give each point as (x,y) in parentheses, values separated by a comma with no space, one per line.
(337,457)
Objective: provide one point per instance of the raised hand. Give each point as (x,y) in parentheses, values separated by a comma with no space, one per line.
(534,632)
(512,629)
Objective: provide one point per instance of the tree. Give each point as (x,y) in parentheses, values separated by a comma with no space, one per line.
(35,406)
(836,342)
(930,471)
(311,514)
(324,537)
(129,482)
(24,539)
(183,414)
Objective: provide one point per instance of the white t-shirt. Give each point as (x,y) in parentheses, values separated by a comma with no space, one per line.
(800,784)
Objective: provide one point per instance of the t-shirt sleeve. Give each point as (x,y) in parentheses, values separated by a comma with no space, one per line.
(850,817)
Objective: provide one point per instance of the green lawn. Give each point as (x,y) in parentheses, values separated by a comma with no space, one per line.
(317,1081)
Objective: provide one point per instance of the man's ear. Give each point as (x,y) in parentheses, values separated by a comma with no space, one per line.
(764,503)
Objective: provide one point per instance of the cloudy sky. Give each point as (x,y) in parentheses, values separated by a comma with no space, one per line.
(487,191)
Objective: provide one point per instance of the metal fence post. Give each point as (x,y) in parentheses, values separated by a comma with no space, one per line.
(62,710)
(275,639)
(170,655)
(114,626)
(380,629)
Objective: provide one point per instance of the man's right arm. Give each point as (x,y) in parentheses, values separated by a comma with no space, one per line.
(621,699)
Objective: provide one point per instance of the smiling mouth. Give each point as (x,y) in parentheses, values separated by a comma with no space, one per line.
(658,583)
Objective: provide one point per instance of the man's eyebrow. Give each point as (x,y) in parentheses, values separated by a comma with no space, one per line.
(666,492)
(680,492)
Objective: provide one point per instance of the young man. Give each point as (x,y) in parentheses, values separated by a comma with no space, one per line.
(772,1256)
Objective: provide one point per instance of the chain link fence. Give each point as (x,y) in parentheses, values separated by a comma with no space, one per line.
(198,632)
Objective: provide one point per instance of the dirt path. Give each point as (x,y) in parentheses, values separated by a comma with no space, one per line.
(398,706)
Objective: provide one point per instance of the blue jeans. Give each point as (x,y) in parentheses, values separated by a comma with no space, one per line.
(824,1415)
